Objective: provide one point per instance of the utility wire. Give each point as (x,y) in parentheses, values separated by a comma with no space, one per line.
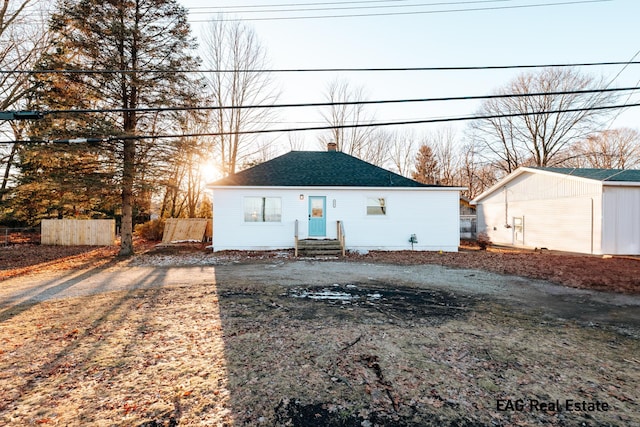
(333,8)
(332,104)
(205,9)
(304,7)
(317,128)
(618,113)
(323,70)
(200,10)
(363,15)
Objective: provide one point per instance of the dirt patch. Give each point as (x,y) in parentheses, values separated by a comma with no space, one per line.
(407,304)
(616,274)
(320,361)
(613,274)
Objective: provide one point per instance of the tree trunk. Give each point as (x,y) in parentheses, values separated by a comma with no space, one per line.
(7,171)
(126,227)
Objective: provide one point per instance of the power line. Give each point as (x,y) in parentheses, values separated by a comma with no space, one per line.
(318,128)
(331,104)
(316,9)
(614,118)
(340,3)
(323,70)
(363,15)
(304,7)
(407,122)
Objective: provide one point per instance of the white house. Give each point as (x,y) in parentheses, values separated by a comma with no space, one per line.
(313,191)
(593,211)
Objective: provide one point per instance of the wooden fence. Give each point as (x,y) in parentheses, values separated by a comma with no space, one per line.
(69,232)
(185,229)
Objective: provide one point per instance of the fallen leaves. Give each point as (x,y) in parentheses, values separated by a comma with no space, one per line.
(617,274)
(104,366)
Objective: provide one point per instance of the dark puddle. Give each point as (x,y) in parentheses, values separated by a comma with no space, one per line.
(294,413)
(401,302)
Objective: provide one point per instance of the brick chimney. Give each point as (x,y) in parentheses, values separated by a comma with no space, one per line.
(332,146)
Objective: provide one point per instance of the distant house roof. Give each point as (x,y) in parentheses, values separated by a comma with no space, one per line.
(317,169)
(613,175)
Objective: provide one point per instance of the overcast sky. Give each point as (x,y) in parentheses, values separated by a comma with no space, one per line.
(428,33)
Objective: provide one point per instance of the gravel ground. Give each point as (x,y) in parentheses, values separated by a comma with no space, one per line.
(163,270)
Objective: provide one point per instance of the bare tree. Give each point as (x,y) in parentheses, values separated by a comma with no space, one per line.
(402,151)
(443,144)
(377,150)
(188,168)
(472,173)
(351,140)
(296,141)
(537,128)
(23,35)
(232,49)
(609,149)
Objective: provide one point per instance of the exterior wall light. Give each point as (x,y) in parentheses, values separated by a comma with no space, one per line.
(302,197)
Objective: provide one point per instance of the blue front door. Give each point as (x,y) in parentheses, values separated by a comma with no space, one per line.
(317,216)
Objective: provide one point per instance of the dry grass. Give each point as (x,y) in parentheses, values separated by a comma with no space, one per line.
(115,359)
(252,354)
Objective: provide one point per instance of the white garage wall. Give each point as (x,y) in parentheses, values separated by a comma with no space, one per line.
(559,212)
(431,214)
(621,227)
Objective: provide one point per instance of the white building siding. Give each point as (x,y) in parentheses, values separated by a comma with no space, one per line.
(430,214)
(568,224)
(558,212)
(231,232)
(542,186)
(433,216)
(621,225)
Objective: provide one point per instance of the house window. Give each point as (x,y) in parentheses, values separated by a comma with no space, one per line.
(376,206)
(262,209)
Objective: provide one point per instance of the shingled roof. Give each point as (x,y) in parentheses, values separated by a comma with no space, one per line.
(317,169)
(608,175)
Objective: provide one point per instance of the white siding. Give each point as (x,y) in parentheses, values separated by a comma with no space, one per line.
(621,225)
(560,224)
(559,212)
(430,214)
(544,186)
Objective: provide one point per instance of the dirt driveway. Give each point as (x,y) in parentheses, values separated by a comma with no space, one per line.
(539,296)
(314,343)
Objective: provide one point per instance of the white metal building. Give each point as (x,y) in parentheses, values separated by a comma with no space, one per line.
(258,208)
(593,211)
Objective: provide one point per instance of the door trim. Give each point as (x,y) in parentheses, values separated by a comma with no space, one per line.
(318,225)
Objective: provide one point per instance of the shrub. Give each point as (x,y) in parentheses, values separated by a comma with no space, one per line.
(483,240)
(150,230)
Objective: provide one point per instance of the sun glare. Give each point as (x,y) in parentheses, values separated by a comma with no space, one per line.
(209,172)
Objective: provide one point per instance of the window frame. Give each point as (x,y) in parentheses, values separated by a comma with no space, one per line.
(381,205)
(263,215)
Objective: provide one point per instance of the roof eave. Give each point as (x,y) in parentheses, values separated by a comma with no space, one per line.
(501,183)
(329,187)
(621,183)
